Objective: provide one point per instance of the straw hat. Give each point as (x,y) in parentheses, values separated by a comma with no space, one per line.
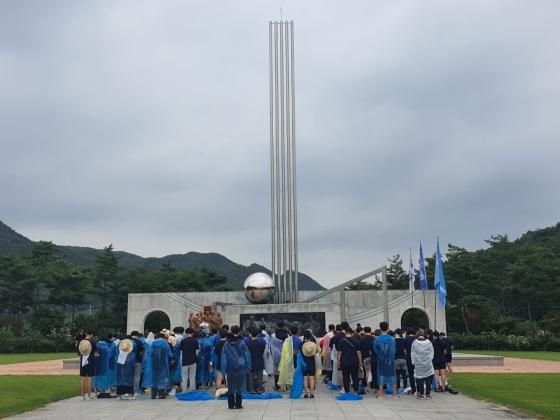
(172,340)
(309,348)
(221,392)
(126,346)
(84,347)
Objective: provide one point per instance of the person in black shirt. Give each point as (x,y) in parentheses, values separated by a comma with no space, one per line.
(349,359)
(139,350)
(448,360)
(309,349)
(256,347)
(218,350)
(409,339)
(440,366)
(400,359)
(87,366)
(374,376)
(189,357)
(366,346)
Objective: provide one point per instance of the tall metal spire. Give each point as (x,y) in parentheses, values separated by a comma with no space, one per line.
(283,161)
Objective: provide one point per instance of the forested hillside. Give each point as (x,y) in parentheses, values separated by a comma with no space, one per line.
(13,243)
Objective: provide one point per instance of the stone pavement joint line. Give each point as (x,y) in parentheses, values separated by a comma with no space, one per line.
(323,407)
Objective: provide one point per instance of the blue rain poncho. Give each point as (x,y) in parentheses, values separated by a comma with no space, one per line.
(114,349)
(175,373)
(156,372)
(104,377)
(421,354)
(203,374)
(385,347)
(147,365)
(125,373)
(276,350)
(297,382)
(236,363)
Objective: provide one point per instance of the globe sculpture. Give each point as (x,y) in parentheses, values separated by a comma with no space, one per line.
(259,288)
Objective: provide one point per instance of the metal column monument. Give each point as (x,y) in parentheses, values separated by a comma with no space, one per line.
(283,162)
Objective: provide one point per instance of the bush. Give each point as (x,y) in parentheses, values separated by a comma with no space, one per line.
(542,340)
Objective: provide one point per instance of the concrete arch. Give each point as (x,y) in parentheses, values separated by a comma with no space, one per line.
(151,311)
(417,308)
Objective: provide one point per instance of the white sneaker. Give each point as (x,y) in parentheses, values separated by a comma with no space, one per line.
(172,392)
(86,398)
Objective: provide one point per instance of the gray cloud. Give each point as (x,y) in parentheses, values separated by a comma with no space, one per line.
(145,124)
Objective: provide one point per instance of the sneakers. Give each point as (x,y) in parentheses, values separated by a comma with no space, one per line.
(428,397)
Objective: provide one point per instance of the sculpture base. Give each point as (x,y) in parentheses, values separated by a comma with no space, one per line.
(315,316)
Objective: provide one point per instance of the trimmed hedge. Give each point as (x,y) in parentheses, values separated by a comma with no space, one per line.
(491,341)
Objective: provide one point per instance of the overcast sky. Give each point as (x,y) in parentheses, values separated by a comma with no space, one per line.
(145,124)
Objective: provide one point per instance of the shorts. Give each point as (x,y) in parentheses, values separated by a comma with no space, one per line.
(439,364)
(87,371)
(309,366)
(400,364)
(448,359)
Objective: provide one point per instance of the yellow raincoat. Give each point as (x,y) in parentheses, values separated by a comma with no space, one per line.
(286,366)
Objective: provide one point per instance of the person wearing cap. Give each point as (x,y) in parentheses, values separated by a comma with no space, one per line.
(385,347)
(87,349)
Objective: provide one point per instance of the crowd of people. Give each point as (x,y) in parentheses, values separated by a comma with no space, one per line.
(234,362)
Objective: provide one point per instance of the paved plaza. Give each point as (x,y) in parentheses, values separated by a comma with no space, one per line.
(323,407)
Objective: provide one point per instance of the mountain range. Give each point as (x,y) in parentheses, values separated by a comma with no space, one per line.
(12,242)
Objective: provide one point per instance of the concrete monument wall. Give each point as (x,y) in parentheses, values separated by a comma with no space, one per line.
(362,306)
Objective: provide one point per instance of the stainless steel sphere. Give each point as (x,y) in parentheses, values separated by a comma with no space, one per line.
(259,288)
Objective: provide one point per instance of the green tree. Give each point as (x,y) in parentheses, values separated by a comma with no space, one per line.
(106,271)
(397,278)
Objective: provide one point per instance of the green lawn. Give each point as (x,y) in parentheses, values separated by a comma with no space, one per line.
(533,393)
(6,359)
(24,393)
(537,355)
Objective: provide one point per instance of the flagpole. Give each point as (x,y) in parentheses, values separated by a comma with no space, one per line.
(411,267)
(435,292)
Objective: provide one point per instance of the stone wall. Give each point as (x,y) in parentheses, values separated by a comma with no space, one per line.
(362,306)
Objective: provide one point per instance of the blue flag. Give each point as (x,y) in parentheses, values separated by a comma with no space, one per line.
(422,270)
(439,280)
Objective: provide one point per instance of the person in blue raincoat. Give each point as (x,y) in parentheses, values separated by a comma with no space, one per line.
(104,378)
(385,348)
(203,374)
(175,364)
(126,361)
(236,363)
(156,371)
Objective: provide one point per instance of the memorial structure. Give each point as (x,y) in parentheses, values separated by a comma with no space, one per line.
(269,299)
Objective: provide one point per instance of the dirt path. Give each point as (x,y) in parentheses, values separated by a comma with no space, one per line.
(511,365)
(48,367)
(514,365)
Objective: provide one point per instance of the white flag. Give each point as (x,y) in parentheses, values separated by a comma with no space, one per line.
(411,275)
